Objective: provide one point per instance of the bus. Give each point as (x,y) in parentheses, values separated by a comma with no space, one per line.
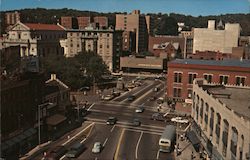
(167,139)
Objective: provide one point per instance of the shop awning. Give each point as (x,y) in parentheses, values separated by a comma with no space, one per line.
(55,119)
(193,138)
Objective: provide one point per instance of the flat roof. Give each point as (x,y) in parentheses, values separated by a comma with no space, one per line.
(235,98)
(229,62)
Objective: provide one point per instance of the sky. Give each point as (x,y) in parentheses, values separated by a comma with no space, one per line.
(187,7)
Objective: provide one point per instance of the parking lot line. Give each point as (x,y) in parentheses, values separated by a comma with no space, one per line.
(105,142)
(90,106)
(158,153)
(112,128)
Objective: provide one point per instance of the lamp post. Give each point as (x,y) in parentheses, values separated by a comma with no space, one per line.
(39,117)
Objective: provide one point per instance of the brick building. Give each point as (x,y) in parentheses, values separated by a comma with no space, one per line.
(83,22)
(11,18)
(167,50)
(222,119)
(182,72)
(209,55)
(156,40)
(102,21)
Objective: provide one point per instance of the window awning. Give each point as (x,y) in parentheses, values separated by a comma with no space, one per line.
(193,138)
(55,119)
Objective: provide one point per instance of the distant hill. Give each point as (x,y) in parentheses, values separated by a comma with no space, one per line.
(41,15)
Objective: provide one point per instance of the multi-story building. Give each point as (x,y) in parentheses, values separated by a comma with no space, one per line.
(66,22)
(137,23)
(209,55)
(20,97)
(83,22)
(36,39)
(105,42)
(182,72)
(167,50)
(216,40)
(102,21)
(222,119)
(128,42)
(12,18)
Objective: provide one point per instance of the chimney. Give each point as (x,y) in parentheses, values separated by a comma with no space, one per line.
(211,24)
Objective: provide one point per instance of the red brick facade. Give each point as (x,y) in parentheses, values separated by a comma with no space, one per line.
(200,70)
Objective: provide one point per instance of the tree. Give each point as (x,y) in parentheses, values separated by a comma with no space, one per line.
(167,26)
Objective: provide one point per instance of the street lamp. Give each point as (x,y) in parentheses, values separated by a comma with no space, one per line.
(39,117)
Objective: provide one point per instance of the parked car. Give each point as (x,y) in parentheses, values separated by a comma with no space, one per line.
(97,147)
(108,97)
(156,89)
(152,98)
(158,117)
(111,120)
(116,94)
(136,122)
(55,153)
(160,100)
(131,98)
(75,150)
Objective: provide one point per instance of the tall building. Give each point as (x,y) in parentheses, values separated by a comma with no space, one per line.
(222,119)
(12,18)
(83,22)
(66,22)
(216,40)
(137,23)
(36,39)
(105,42)
(182,72)
(102,21)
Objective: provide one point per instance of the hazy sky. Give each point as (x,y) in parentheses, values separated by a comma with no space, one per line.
(190,7)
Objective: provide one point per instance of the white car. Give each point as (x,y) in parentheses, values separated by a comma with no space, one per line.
(97,147)
(179,120)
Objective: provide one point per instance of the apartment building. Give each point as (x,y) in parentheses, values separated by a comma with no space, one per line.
(137,23)
(222,119)
(212,39)
(182,72)
(105,42)
(35,39)
(102,21)
(83,21)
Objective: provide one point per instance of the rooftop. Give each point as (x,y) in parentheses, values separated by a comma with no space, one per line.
(235,98)
(230,62)
(38,26)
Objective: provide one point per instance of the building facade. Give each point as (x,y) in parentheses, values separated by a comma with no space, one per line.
(216,40)
(222,118)
(102,21)
(11,18)
(182,72)
(35,39)
(105,42)
(137,23)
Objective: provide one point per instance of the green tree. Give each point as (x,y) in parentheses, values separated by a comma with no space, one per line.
(167,26)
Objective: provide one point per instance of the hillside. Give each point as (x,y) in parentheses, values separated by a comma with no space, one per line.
(41,15)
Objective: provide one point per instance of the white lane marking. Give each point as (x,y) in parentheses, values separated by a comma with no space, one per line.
(83,140)
(166,114)
(90,106)
(137,146)
(62,157)
(158,153)
(112,128)
(96,158)
(105,142)
(148,132)
(78,134)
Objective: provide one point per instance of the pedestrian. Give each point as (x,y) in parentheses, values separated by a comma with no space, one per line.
(68,136)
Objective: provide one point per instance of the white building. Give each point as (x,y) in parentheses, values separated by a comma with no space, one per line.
(210,39)
(222,115)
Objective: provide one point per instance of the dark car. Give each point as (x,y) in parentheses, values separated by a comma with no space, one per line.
(75,150)
(158,117)
(131,98)
(55,153)
(111,120)
(136,122)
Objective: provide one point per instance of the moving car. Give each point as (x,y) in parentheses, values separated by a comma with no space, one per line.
(140,109)
(111,120)
(136,122)
(108,97)
(56,153)
(131,98)
(75,150)
(97,147)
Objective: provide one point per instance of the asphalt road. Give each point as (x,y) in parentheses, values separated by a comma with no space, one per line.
(122,140)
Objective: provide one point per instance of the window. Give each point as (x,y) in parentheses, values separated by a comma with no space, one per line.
(177,92)
(223,79)
(189,95)
(208,77)
(71,45)
(78,45)
(240,81)
(177,77)
(100,35)
(191,77)
(107,46)
(107,35)
(100,45)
